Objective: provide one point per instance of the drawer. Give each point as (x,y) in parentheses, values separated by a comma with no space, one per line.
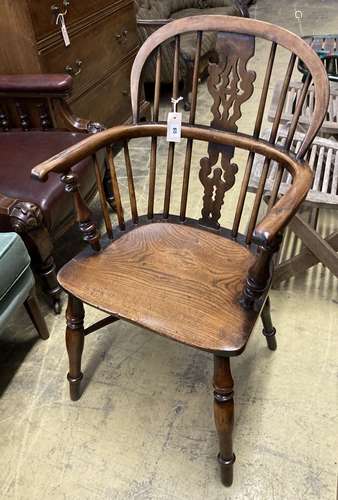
(43,13)
(109,101)
(93,52)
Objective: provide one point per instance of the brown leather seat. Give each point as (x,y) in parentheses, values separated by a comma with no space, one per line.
(179,281)
(21,151)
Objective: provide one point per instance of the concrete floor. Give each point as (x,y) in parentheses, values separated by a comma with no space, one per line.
(144,426)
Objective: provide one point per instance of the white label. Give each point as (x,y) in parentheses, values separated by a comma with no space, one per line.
(61,19)
(174,124)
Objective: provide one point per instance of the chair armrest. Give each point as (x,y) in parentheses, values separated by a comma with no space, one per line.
(272,224)
(45,85)
(268,230)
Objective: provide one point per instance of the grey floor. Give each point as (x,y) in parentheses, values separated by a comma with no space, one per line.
(144,425)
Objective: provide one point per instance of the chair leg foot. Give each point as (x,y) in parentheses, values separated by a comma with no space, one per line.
(224,416)
(74,386)
(47,272)
(74,344)
(269,331)
(33,309)
(57,305)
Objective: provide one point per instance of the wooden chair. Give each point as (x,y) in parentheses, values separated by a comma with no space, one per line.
(191,280)
(36,123)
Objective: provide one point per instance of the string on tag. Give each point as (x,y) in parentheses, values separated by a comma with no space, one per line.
(174,102)
(299,17)
(60,19)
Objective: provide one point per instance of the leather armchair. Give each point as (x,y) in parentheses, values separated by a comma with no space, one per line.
(36,123)
(17,283)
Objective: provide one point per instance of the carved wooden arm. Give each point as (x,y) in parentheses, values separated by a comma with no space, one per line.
(273,223)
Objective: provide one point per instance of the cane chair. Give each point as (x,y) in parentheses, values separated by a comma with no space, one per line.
(191,279)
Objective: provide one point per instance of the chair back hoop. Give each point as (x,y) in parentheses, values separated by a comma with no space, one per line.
(229,25)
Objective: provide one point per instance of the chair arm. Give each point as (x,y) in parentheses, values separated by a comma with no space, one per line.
(46,85)
(272,224)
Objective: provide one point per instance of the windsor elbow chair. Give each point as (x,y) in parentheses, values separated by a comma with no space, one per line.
(192,280)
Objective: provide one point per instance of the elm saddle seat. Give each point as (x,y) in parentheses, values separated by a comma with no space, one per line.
(50,196)
(162,267)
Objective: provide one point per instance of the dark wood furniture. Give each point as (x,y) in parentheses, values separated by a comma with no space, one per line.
(193,281)
(35,123)
(103,44)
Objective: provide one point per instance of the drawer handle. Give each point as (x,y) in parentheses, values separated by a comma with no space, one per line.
(121,37)
(126,92)
(73,71)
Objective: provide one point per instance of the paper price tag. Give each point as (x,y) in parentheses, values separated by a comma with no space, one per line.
(64,32)
(174,125)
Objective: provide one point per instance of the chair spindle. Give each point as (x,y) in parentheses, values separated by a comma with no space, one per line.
(272,139)
(131,186)
(188,152)
(153,152)
(103,201)
(257,130)
(288,143)
(116,190)
(83,214)
(171,148)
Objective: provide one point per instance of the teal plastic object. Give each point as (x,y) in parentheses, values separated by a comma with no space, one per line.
(326,48)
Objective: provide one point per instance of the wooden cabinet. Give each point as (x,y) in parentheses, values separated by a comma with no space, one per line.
(103,44)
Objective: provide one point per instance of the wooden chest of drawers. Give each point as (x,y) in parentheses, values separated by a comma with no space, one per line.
(103,44)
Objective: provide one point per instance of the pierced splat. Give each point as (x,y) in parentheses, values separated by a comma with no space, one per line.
(230,84)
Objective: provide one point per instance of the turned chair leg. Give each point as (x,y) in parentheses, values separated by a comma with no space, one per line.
(47,272)
(33,309)
(268,329)
(224,416)
(74,343)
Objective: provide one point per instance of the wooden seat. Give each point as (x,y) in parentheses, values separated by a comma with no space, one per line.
(160,268)
(191,279)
